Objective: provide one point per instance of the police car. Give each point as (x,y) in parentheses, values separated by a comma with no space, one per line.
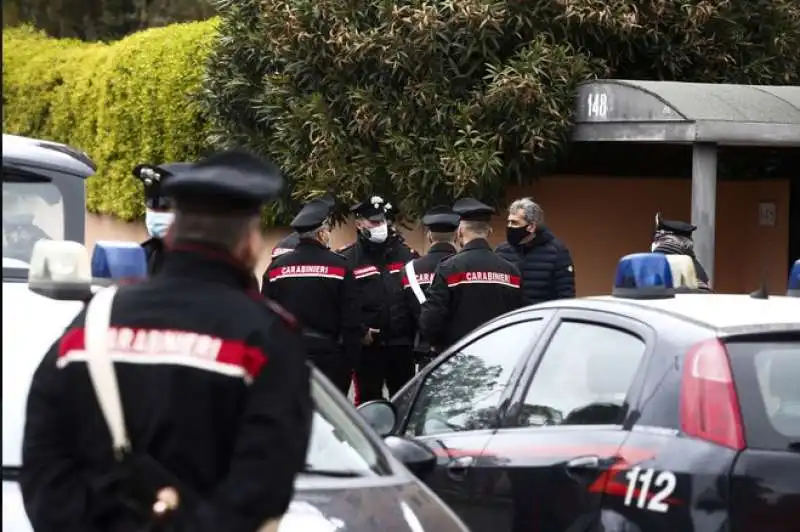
(648,410)
(353,481)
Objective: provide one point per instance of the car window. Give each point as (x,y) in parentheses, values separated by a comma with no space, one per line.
(463,392)
(767,372)
(583,377)
(337,443)
(31,211)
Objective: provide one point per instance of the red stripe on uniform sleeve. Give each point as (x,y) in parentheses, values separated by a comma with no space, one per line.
(456,278)
(73,340)
(336,271)
(252,359)
(405,280)
(231,352)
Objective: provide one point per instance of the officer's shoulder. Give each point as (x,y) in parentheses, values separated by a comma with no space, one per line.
(346,250)
(336,257)
(151,243)
(451,261)
(504,247)
(401,246)
(505,265)
(280,260)
(413,253)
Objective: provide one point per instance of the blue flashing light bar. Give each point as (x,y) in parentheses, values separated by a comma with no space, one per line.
(644,276)
(117,260)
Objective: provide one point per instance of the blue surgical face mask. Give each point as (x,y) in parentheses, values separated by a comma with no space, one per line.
(158,222)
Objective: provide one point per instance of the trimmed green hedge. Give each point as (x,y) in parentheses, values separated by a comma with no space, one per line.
(124,103)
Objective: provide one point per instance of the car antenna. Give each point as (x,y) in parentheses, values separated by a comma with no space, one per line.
(762,292)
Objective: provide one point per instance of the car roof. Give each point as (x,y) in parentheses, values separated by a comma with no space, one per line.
(725,312)
(33,153)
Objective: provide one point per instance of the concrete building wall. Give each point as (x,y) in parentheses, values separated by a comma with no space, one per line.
(602,219)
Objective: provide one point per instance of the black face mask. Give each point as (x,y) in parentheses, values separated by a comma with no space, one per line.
(515,235)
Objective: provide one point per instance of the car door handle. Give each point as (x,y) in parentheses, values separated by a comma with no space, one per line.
(583,465)
(458,468)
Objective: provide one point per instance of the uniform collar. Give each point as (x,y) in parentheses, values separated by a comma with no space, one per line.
(478,243)
(442,247)
(194,260)
(153,241)
(310,243)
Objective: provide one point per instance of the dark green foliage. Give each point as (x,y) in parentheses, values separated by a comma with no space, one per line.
(428,100)
(101,19)
(126,103)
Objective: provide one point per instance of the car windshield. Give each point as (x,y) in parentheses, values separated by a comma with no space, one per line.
(31,211)
(339,446)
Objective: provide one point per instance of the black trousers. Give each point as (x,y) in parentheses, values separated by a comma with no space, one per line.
(378,365)
(333,367)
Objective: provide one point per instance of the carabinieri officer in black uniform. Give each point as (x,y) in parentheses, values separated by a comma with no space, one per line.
(213,381)
(471,287)
(317,286)
(440,227)
(158,211)
(377,259)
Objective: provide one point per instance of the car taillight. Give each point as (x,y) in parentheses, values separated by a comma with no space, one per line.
(709,405)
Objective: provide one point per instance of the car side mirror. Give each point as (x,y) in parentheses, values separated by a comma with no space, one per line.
(415,455)
(380,415)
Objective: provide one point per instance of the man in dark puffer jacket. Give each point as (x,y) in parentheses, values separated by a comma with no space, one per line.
(544,261)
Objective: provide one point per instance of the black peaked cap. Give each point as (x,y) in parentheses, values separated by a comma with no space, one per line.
(232,180)
(152,176)
(441,219)
(472,210)
(675,227)
(312,215)
(373,207)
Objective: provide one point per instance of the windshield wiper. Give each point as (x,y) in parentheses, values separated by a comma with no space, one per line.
(334,473)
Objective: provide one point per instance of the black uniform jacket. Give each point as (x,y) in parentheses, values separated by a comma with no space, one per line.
(154,250)
(424,268)
(317,286)
(214,385)
(469,289)
(378,271)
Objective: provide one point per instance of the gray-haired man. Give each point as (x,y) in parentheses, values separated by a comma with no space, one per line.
(543,260)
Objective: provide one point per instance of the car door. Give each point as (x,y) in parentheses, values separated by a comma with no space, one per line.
(459,403)
(565,424)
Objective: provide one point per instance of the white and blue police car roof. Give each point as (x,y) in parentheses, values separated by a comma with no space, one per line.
(644,276)
(117,260)
(60,269)
(794,280)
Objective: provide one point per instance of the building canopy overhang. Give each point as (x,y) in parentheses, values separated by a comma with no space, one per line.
(687,113)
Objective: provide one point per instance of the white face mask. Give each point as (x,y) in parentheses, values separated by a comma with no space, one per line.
(379,234)
(158,222)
